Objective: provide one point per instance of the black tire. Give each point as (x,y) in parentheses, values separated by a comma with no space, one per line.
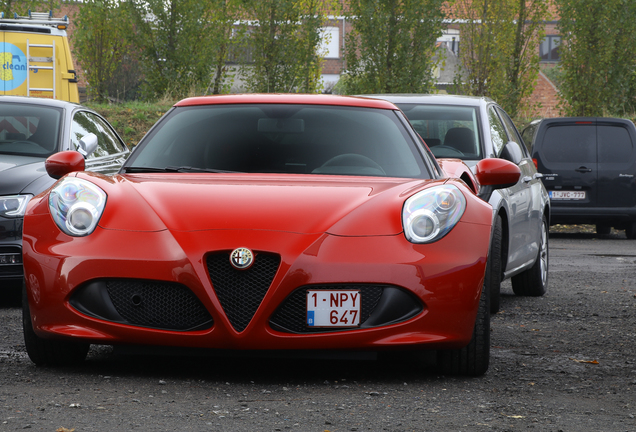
(603,229)
(473,359)
(630,231)
(534,281)
(46,351)
(493,269)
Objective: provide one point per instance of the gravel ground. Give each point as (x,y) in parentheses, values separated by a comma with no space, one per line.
(562,362)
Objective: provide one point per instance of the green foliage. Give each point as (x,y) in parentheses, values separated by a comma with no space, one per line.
(100,40)
(499,49)
(21,7)
(597,57)
(392,45)
(178,41)
(284,45)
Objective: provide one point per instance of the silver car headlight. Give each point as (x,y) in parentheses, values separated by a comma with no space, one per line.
(76,206)
(13,206)
(429,215)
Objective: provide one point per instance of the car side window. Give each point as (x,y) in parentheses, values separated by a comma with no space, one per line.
(528,135)
(513,133)
(108,143)
(497,131)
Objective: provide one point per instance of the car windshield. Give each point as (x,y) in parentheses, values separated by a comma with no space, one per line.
(281,138)
(29,130)
(449,131)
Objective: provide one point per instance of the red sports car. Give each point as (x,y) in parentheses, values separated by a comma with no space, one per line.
(265,222)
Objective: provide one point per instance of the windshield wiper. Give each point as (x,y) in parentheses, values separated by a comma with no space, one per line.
(177,169)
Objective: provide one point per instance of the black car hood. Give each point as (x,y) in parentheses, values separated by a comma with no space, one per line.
(23,174)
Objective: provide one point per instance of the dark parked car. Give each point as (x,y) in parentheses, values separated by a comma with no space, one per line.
(31,130)
(588,167)
(476,128)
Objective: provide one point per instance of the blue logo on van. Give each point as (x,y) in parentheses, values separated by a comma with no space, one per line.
(13,69)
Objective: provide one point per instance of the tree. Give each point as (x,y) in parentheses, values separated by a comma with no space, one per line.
(225,13)
(21,7)
(100,41)
(499,57)
(176,44)
(284,39)
(597,57)
(391,46)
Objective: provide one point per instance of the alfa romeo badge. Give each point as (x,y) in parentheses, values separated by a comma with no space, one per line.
(242,258)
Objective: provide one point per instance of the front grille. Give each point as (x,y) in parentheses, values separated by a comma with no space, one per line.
(158,304)
(291,316)
(240,292)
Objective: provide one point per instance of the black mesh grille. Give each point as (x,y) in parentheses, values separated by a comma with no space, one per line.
(158,304)
(241,291)
(291,316)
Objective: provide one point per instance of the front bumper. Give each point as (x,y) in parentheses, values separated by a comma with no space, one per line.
(445,278)
(11,249)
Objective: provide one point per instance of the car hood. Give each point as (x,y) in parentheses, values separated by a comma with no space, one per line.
(18,172)
(189,202)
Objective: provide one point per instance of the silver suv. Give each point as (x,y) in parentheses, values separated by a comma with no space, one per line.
(474,128)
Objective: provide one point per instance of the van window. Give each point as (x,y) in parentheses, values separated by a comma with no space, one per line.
(614,145)
(561,143)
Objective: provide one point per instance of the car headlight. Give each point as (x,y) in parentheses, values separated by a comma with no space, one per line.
(76,206)
(429,215)
(13,206)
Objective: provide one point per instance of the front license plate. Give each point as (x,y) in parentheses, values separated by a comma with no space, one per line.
(333,308)
(567,195)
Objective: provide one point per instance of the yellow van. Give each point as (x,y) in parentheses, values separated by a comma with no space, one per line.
(36,58)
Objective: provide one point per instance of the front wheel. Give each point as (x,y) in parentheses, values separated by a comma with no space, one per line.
(47,351)
(473,359)
(534,281)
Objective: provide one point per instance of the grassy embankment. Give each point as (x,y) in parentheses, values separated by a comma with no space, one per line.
(132,119)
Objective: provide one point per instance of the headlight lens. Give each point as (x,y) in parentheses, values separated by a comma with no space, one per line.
(429,215)
(76,206)
(13,206)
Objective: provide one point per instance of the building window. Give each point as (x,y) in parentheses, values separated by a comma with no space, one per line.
(330,42)
(549,49)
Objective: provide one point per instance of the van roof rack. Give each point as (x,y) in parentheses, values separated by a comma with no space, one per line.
(45,18)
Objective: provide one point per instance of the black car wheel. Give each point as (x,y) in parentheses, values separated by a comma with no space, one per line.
(534,281)
(493,269)
(46,351)
(630,231)
(473,359)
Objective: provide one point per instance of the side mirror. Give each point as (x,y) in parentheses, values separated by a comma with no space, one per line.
(87,144)
(512,152)
(62,163)
(494,174)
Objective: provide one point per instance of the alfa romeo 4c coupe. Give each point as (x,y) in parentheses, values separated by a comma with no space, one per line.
(266,222)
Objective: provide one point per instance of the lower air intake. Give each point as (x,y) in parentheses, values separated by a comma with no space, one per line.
(157,304)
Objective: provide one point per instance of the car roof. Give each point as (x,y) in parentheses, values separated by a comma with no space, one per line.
(55,103)
(303,99)
(438,99)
